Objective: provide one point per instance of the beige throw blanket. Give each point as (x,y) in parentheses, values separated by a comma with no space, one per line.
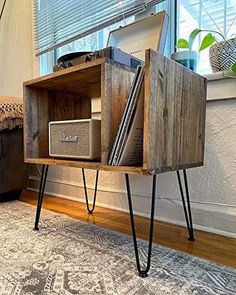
(11,112)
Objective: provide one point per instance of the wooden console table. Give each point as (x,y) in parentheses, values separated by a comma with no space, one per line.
(174,123)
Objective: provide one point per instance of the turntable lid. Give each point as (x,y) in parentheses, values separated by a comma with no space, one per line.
(149,32)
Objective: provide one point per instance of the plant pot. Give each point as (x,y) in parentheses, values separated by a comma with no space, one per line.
(186,58)
(223,55)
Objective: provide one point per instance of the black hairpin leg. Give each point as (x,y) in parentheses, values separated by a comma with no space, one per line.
(142,273)
(90,211)
(40,195)
(187,210)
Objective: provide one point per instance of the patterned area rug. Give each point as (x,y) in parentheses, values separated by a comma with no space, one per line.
(70,257)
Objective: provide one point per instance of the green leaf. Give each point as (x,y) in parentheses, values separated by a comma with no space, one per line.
(233,67)
(182,43)
(207,41)
(192,37)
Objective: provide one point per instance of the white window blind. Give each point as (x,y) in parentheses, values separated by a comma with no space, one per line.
(59,22)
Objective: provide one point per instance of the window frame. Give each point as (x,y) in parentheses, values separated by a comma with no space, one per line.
(168,5)
(47,60)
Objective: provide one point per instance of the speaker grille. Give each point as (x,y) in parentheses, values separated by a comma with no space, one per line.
(70,139)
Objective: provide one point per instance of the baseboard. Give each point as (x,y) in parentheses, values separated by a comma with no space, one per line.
(214,218)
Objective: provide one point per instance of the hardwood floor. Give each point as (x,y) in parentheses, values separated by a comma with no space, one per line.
(209,246)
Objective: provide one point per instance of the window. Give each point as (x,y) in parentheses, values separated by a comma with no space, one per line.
(184,15)
(218,15)
(94,41)
(91,42)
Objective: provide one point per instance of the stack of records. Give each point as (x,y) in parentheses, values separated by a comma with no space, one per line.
(128,145)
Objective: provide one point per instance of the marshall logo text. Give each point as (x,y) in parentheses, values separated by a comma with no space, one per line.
(68,138)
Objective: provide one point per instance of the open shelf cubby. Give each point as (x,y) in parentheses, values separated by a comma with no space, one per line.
(174,112)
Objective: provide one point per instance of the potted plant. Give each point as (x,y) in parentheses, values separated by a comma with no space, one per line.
(223,55)
(186,55)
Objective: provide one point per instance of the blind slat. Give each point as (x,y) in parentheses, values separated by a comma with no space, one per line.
(58,22)
(76,16)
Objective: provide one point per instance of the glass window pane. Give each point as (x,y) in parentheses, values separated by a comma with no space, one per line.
(92,42)
(95,41)
(218,15)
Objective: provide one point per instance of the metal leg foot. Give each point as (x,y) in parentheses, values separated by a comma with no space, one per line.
(187,209)
(40,195)
(90,211)
(142,272)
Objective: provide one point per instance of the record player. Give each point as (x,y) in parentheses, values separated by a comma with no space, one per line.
(116,54)
(126,44)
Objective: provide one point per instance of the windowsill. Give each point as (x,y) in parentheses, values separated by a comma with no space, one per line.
(220,87)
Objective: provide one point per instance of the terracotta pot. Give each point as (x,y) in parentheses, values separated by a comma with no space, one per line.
(186,58)
(223,55)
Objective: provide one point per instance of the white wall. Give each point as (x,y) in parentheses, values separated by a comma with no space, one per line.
(16,47)
(212,187)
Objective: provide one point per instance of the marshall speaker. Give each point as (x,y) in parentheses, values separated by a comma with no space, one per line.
(78,139)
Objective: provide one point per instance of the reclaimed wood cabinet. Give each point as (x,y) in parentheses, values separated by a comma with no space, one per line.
(174,112)
(174,123)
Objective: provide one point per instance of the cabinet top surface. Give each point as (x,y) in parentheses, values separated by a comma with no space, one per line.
(94,66)
(65,72)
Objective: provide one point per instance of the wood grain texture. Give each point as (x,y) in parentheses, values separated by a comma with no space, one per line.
(83,79)
(87,165)
(174,111)
(116,84)
(43,106)
(66,106)
(36,118)
(208,246)
(174,115)
(67,94)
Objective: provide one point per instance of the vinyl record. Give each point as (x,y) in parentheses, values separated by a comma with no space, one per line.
(70,56)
